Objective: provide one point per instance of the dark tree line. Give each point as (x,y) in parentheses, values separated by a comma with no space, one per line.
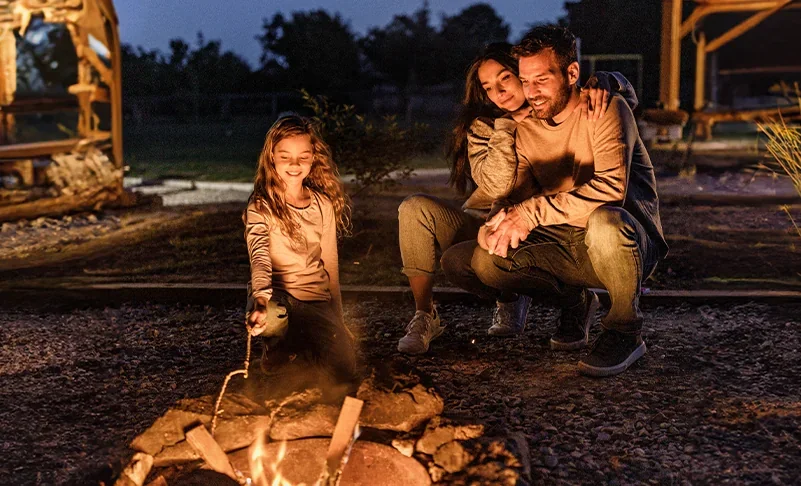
(318,51)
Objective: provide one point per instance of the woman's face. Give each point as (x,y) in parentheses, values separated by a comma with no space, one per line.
(501,85)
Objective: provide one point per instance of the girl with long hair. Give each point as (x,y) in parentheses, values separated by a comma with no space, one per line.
(297,207)
(481,151)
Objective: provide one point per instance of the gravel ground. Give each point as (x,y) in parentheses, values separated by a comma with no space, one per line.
(47,235)
(716,399)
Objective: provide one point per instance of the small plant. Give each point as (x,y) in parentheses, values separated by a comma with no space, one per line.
(375,153)
(784,145)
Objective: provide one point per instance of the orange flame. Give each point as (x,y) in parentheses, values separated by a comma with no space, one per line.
(256,459)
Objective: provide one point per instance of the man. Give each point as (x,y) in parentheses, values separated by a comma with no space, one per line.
(584,212)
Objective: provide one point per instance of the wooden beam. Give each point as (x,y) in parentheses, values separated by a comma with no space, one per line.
(670,55)
(700,72)
(697,14)
(344,434)
(745,26)
(705,9)
(204,444)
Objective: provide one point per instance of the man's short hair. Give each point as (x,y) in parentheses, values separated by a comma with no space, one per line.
(559,39)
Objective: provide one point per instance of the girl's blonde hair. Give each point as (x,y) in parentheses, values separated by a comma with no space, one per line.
(268,188)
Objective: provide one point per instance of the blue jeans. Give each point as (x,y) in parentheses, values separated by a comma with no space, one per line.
(556,263)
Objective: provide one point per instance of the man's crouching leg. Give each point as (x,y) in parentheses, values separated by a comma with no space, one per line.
(622,256)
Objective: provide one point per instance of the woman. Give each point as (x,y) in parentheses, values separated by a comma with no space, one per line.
(483,163)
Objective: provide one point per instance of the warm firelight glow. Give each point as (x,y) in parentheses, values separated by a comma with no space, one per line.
(256,458)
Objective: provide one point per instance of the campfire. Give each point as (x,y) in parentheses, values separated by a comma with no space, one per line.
(305,439)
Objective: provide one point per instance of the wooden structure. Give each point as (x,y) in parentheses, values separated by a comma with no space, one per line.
(85,170)
(675,26)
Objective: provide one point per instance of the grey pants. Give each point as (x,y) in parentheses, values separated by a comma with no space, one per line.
(555,263)
(427,223)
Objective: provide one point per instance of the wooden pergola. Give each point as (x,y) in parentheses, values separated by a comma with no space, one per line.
(675,28)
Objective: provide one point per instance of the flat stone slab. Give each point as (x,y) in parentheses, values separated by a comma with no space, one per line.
(370,464)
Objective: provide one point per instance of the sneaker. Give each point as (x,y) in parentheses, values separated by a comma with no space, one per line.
(612,353)
(575,323)
(509,318)
(421,330)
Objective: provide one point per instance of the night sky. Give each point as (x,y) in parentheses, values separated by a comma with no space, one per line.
(152,23)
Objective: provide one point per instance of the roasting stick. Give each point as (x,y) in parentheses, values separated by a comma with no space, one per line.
(243,371)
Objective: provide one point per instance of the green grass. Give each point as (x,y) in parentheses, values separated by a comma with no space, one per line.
(203,151)
(210,151)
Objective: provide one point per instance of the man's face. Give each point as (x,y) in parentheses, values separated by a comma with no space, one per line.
(547,89)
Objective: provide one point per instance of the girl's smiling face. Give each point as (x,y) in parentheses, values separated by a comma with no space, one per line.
(293,157)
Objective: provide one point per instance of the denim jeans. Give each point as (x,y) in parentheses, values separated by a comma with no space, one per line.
(555,263)
(426,223)
(318,334)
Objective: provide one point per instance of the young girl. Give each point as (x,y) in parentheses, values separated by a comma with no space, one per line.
(291,222)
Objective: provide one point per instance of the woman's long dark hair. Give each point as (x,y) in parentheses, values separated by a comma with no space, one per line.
(475,104)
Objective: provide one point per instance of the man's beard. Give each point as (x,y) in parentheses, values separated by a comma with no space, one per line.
(553,106)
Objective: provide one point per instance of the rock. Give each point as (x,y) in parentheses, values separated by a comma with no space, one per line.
(404,446)
(167,430)
(436,435)
(232,434)
(452,457)
(436,473)
(603,437)
(240,431)
(316,421)
(551,461)
(400,411)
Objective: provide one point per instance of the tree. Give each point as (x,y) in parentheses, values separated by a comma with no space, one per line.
(317,51)
(408,51)
(467,32)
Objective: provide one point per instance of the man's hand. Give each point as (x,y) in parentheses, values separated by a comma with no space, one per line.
(257,319)
(594,98)
(508,231)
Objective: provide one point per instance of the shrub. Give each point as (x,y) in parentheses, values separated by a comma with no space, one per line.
(784,144)
(375,153)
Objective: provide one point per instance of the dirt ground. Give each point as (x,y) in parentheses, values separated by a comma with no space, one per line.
(712,247)
(715,400)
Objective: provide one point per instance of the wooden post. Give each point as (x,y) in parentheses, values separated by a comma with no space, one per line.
(671,54)
(700,72)
(204,444)
(344,434)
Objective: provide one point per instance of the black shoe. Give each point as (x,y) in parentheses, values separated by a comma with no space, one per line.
(612,353)
(575,323)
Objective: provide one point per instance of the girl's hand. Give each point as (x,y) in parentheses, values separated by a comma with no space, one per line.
(257,319)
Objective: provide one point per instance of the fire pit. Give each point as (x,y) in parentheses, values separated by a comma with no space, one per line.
(369,464)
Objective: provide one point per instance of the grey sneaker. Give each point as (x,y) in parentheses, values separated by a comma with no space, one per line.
(509,318)
(421,330)
(575,323)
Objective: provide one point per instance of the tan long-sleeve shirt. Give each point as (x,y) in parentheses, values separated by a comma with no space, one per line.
(567,171)
(308,271)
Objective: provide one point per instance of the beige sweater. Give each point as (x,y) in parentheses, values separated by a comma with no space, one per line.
(308,271)
(566,171)
(491,151)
